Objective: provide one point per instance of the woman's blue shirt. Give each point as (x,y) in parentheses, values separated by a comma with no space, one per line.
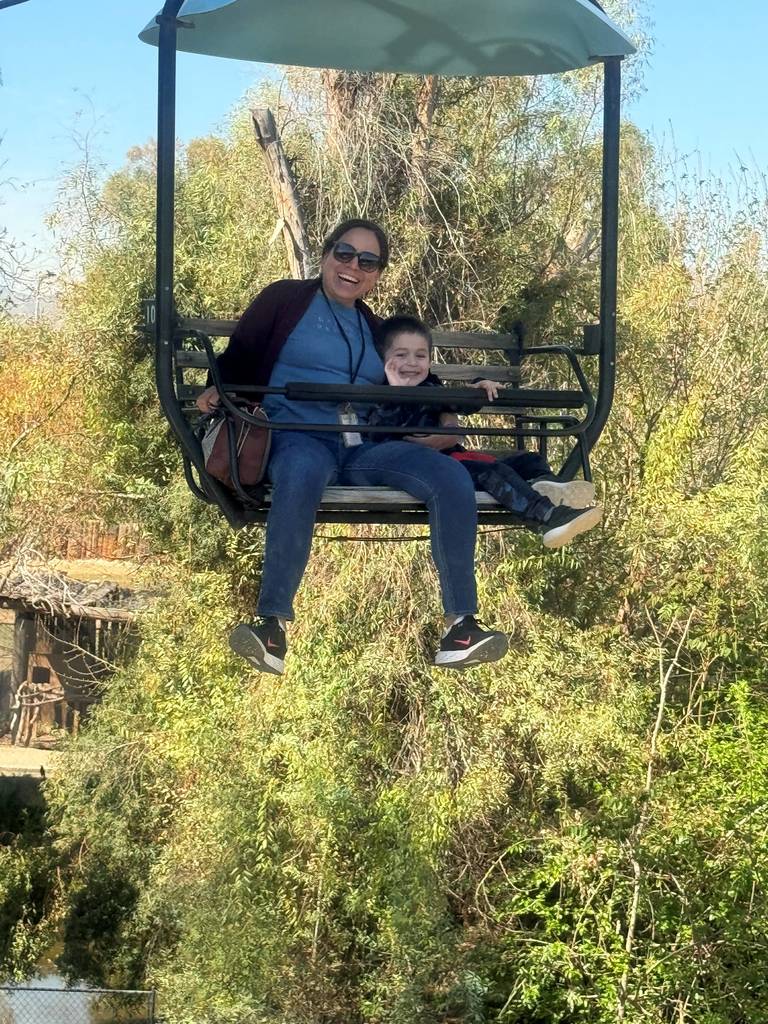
(315,351)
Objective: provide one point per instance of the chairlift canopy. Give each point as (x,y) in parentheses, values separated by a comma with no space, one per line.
(445,37)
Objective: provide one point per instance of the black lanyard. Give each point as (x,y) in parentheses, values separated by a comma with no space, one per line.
(347,342)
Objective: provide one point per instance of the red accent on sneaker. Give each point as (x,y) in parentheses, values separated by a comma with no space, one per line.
(270,644)
(464,643)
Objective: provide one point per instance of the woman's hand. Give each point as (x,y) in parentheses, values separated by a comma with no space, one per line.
(490,387)
(208,400)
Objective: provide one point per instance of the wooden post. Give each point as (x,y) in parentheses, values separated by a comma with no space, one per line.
(33,713)
(18,712)
(23,645)
(281,178)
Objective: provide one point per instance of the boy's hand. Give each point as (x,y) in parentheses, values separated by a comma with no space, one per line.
(490,387)
(437,441)
(396,377)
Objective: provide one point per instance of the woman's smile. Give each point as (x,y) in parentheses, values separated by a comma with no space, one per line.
(347,278)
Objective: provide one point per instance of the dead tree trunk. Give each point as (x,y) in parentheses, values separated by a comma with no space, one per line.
(290,219)
(426,103)
(342,89)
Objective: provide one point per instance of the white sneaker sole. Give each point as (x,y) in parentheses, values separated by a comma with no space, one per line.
(244,642)
(492,648)
(562,535)
(574,493)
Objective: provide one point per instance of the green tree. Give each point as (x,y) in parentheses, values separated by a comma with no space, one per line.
(576,835)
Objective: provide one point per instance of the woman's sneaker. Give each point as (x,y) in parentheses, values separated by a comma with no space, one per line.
(565,523)
(262,643)
(573,493)
(468,643)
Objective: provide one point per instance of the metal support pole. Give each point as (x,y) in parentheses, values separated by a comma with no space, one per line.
(609,256)
(165,313)
(166,170)
(609,252)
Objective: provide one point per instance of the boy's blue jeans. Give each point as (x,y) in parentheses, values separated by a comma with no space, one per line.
(302,465)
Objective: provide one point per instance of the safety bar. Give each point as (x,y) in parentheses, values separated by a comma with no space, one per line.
(380,393)
(451,399)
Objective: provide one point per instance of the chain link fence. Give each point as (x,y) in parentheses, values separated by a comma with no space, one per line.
(21,1005)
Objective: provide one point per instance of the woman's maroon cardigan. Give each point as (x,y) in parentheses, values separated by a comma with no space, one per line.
(264,327)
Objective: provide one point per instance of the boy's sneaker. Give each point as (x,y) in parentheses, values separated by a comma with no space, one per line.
(468,643)
(262,643)
(573,493)
(565,523)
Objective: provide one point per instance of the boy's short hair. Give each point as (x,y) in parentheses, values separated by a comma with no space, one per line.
(403,323)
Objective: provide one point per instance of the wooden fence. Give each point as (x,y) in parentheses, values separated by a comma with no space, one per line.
(92,539)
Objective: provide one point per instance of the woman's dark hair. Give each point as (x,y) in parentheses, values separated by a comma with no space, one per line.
(403,323)
(368,225)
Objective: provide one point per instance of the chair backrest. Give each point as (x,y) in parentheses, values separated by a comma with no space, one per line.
(446,343)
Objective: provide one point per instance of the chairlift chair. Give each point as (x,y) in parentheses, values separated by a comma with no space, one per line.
(424,37)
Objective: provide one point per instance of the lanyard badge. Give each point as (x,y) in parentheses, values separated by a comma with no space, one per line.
(348,417)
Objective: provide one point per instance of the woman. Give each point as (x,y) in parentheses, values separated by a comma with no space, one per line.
(321,331)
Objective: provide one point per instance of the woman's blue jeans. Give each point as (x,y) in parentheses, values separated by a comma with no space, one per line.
(302,465)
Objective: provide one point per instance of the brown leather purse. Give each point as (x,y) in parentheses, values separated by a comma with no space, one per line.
(236,451)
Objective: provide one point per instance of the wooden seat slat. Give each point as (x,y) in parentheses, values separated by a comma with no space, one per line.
(192,358)
(377,497)
(442,339)
(214,328)
(475,371)
(471,339)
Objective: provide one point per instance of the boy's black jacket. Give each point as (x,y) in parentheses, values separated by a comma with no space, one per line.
(418,417)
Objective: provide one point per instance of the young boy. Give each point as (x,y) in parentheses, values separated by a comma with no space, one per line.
(405,345)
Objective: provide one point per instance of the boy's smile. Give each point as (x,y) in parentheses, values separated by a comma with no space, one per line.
(407,359)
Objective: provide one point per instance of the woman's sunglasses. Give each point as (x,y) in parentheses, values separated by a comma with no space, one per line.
(366,261)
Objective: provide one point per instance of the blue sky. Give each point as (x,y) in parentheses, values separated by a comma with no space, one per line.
(77,64)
